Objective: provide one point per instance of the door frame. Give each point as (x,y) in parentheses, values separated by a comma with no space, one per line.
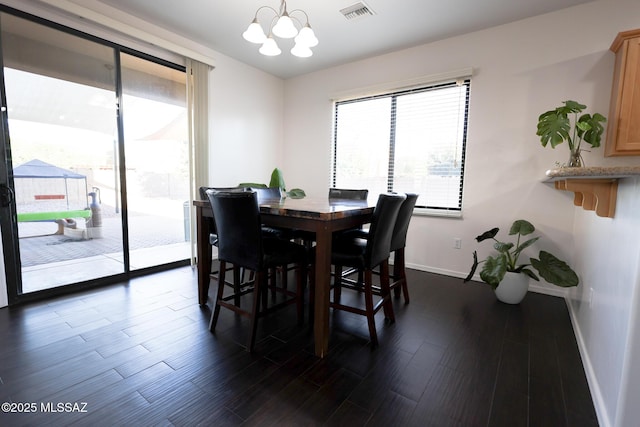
(8,215)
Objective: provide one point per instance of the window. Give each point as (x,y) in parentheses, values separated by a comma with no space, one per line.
(405,141)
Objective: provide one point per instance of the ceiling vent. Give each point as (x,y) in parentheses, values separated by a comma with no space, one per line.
(357,10)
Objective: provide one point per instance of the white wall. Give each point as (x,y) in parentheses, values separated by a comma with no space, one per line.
(246,124)
(608,257)
(628,410)
(520,70)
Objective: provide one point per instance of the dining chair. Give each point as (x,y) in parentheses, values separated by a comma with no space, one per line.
(238,275)
(365,255)
(308,237)
(270,193)
(273,193)
(348,194)
(398,277)
(398,244)
(242,243)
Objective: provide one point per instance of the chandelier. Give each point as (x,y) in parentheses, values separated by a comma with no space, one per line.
(282,25)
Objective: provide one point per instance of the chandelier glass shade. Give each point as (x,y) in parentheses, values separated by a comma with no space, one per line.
(282,25)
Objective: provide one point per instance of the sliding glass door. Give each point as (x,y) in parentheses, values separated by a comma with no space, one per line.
(157,157)
(95,171)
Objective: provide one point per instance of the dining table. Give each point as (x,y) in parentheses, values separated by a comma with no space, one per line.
(322,216)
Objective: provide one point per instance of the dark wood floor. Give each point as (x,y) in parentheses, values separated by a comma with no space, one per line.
(140,354)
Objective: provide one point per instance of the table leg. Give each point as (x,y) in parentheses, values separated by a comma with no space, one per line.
(203,254)
(323,277)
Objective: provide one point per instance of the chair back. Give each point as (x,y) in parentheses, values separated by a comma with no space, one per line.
(237,217)
(267,193)
(203,190)
(348,194)
(399,239)
(381,230)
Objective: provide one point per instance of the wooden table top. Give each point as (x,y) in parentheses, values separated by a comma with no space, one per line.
(311,208)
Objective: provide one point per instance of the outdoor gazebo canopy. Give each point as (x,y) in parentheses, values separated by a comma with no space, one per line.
(43,170)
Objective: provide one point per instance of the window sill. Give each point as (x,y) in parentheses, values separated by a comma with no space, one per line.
(437,213)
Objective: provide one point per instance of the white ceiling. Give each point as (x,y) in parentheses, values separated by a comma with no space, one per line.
(397,24)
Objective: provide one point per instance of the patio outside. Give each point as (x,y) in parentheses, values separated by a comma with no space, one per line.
(50,260)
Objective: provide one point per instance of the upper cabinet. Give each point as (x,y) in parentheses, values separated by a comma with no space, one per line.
(623,129)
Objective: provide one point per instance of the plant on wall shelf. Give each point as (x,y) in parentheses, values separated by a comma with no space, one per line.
(563,124)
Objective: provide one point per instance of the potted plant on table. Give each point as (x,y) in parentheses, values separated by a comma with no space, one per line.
(563,124)
(510,279)
(277,181)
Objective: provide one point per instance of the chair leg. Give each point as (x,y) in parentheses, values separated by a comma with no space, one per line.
(311,272)
(273,281)
(300,276)
(216,306)
(385,292)
(236,285)
(360,278)
(269,280)
(400,275)
(368,301)
(337,283)
(257,291)
(285,277)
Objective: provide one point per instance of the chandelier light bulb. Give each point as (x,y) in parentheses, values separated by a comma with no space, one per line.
(301,51)
(270,47)
(254,33)
(307,37)
(284,25)
(284,28)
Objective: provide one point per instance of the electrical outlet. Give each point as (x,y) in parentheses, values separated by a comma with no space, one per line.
(457,243)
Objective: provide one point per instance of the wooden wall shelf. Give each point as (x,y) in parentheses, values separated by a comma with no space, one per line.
(595,188)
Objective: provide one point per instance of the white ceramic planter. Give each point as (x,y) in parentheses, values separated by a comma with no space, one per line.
(513,288)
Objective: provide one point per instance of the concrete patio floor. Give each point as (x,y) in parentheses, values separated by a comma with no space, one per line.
(51,260)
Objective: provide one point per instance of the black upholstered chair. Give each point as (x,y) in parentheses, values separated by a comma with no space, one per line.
(398,243)
(242,243)
(398,277)
(203,190)
(267,193)
(238,275)
(308,237)
(367,254)
(348,194)
(271,193)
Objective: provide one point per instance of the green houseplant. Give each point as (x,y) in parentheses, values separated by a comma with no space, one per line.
(277,181)
(506,260)
(563,124)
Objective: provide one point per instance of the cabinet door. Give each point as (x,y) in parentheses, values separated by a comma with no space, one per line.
(624,119)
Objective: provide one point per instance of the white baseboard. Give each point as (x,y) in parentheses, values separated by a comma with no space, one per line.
(540,289)
(594,386)
(436,270)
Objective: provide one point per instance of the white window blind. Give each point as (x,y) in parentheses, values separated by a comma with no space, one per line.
(405,141)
